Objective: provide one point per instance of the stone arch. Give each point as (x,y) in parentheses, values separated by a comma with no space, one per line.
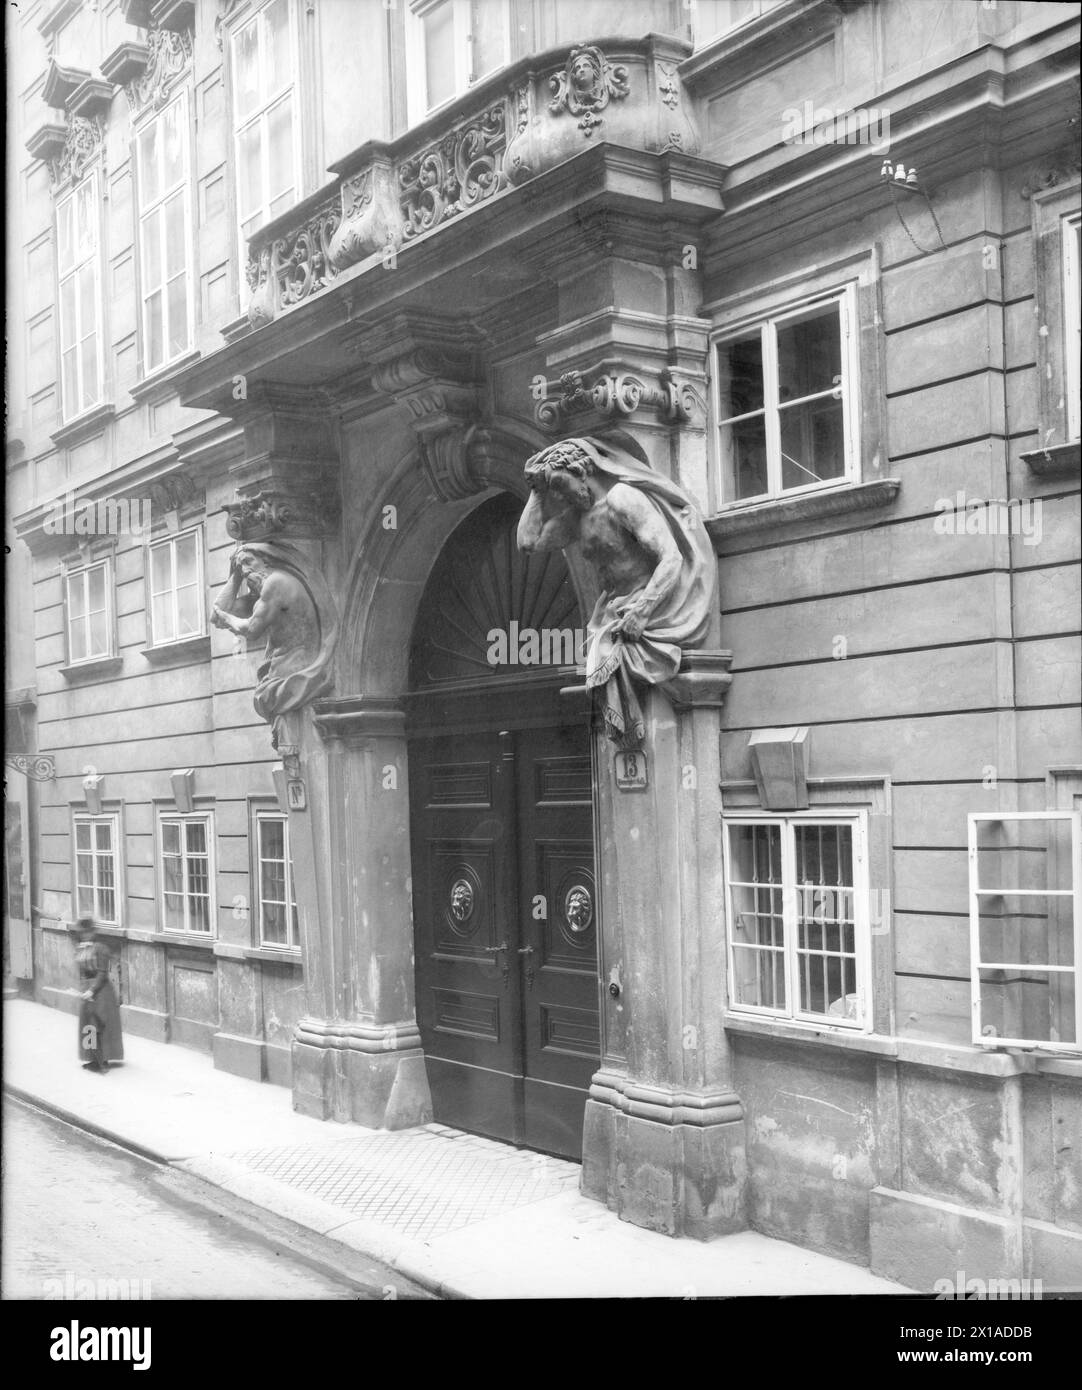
(389,568)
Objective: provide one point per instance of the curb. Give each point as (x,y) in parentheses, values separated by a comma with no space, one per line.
(70,1117)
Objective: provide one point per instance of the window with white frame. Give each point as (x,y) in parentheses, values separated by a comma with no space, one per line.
(175,571)
(79,276)
(452,44)
(1025,925)
(786,398)
(88,601)
(164,253)
(712,18)
(187,873)
(797,894)
(1072,325)
(266,123)
(97,868)
(277,897)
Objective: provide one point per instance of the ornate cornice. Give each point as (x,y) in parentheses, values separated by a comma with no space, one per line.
(82,144)
(168,53)
(602,393)
(280,511)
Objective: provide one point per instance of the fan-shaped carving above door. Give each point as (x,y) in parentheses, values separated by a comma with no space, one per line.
(482,585)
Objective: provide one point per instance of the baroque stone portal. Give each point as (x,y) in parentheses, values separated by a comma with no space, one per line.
(653,558)
(273,591)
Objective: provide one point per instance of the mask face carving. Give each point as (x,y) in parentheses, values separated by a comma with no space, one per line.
(586,85)
(461,900)
(578,909)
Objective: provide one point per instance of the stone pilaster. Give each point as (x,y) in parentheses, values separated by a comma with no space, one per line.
(664,1131)
(357,1053)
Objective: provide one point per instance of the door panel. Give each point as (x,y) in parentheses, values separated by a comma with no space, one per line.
(506,931)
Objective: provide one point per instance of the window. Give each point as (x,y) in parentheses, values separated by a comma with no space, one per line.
(266,126)
(80,298)
(176,588)
(798,920)
(1025,929)
(451,45)
(96,869)
(186,874)
(1072,326)
(277,898)
(786,397)
(712,18)
(90,627)
(163,235)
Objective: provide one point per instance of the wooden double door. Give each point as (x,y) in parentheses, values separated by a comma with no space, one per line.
(505,920)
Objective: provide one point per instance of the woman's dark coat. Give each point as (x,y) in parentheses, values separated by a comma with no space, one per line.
(100,1039)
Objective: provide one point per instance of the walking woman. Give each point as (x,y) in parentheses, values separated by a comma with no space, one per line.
(100,1040)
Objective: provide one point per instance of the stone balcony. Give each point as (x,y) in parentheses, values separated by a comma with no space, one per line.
(519,123)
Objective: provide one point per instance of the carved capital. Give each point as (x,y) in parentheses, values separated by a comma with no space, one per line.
(604,392)
(274,512)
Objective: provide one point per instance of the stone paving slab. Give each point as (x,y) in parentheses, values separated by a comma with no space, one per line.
(465,1216)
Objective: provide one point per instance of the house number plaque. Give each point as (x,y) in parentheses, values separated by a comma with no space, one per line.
(631,771)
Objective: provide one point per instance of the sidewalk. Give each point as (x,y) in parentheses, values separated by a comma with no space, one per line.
(465,1216)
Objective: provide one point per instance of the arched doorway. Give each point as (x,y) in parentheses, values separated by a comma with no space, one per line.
(501,826)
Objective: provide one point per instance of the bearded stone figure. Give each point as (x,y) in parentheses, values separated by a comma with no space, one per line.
(273,592)
(654,562)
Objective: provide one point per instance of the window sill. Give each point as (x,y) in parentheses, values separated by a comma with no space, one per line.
(807,1032)
(157,385)
(83,426)
(1060,461)
(810,506)
(93,669)
(268,954)
(179,653)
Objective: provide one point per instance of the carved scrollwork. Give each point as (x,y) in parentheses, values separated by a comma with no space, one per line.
(292,267)
(454,174)
(37,766)
(168,54)
(175,492)
(611,394)
(265,515)
(81,145)
(667,87)
(586,85)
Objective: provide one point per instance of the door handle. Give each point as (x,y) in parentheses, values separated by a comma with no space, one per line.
(493,949)
(525,951)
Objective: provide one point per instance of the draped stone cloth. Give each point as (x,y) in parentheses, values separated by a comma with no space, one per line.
(613,664)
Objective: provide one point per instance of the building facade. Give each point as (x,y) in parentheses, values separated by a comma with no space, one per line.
(297,289)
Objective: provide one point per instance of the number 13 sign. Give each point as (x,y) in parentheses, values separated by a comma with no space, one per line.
(631,771)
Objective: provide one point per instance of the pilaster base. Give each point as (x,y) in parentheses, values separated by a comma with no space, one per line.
(145,1023)
(373,1076)
(677,1178)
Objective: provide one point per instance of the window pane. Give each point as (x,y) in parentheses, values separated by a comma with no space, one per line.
(175,250)
(107,904)
(272,881)
(188,614)
(174,912)
(84,898)
(178,315)
(172,140)
(155,331)
(77,639)
(77,594)
(67,312)
(84,867)
(278,59)
(740,375)
(274,924)
(149,185)
(95,583)
(88,305)
(88,358)
(70,365)
(99,635)
(171,837)
(743,458)
(812,442)
(757,927)
(160,568)
(85,212)
(161,618)
(1034,1005)
(199,913)
(152,253)
(82,834)
(280,153)
(64,243)
(196,836)
(249,174)
(809,353)
(272,839)
(439,27)
(186,550)
(246,68)
(103,836)
(487,33)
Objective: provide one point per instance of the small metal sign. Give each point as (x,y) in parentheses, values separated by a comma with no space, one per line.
(631,771)
(296,795)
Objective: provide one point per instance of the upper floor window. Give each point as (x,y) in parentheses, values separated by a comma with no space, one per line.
(1072,290)
(79,274)
(452,44)
(277,897)
(799,939)
(265,117)
(786,397)
(1025,921)
(712,18)
(176,588)
(96,867)
(87,594)
(186,873)
(163,235)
